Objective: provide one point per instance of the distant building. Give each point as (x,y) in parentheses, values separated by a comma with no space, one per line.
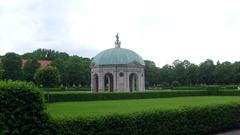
(43,63)
(117,70)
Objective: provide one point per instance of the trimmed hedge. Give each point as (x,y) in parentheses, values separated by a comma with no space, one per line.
(22,109)
(62,97)
(190,88)
(66,89)
(229,92)
(186,121)
(199,87)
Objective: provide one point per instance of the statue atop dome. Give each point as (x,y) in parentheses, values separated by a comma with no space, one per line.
(117,42)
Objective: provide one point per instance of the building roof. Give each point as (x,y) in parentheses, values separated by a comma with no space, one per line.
(117,55)
(44,63)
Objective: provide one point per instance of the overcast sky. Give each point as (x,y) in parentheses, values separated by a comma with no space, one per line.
(158,30)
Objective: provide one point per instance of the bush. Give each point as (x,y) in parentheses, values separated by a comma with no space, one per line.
(190,88)
(229,87)
(61,97)
(229,92)
(22,109)
(213,89)
(11,64)
(187,121)
(78,96)
(203,87)
(47,77)
(66,89)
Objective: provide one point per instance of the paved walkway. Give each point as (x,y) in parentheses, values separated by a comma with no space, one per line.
(234,132)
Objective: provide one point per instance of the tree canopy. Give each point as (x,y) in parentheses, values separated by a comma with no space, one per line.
(30,69)
(45,54)
(12,64)
(75,70)
(47,77)
(187,73)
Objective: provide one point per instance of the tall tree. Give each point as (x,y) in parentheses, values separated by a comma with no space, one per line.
(45,54)
(179,71)
(12,64)
(86,78)
(206,72)
(236,73)
(47,77)
(30,69)
(191,74)
(223,72)
(1,71)
(167,75)
(74,69)
(151,73)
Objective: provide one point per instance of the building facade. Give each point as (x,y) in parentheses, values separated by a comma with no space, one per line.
(117,70)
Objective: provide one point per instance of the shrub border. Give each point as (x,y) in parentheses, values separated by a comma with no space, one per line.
(187,121)
(63,97)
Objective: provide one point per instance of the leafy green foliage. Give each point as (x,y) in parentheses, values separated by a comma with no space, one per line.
(22,109)
(62,96)
(150,73)
(206,72)
(187,73)
(47,77)
(30,69)
(204,87)
(189,87)
(1,71)
(63,89)
(77,96)
(213,90)
(45,54)
(186,121)
(74,71)
(12,64)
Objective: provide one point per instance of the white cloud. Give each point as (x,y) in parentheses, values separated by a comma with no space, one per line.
(162,31)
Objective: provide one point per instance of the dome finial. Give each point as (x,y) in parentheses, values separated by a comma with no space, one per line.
(117,42)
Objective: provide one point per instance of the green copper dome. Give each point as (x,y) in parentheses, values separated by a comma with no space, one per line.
(117,55)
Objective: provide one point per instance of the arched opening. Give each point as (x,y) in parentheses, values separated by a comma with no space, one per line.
(133,82)
(95,82)
(108,82)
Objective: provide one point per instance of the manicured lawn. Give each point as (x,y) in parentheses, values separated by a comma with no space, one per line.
(61,110)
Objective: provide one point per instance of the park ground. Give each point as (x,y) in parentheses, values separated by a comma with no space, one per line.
(60,110)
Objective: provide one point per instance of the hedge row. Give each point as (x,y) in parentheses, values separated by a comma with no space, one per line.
(201,87)
(187,121)
(22,113)
(60,97)
(22,109)
(66,89)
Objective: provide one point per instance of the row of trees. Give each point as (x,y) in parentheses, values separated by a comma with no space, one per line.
(64,69)
(187,73)
(74,70)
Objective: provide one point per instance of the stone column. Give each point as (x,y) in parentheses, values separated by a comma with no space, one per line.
(92,89)
(101,82)
(115,87)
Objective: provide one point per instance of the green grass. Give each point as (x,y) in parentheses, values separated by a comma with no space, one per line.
(89,109)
